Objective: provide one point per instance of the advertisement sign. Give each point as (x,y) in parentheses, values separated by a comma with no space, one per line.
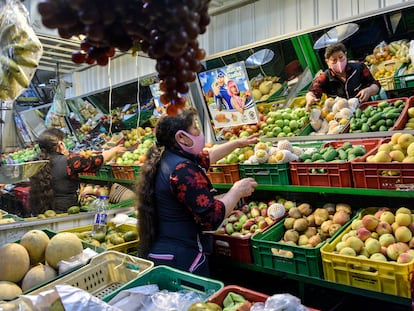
(227,94)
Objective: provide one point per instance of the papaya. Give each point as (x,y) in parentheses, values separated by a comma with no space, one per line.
(73,209)
(50,213)
(330,155)
(130,236)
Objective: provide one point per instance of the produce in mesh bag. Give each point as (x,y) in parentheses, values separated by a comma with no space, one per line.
(20,50)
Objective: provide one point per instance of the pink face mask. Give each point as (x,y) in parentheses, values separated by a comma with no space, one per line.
(339,66)
(198,142)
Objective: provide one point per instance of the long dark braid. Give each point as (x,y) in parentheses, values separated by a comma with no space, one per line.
(165,131)
(41,194)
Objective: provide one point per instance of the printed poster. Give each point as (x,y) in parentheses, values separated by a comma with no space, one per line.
(226,91)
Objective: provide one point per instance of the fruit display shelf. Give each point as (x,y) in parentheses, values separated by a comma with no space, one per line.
(370,197)
(390,277)
(13,231)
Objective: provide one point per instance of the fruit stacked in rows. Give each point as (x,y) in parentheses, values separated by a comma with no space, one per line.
(333,116)
(384,235)
(284,122)
(252,217)
(380,116)
(306,226)
(34,260)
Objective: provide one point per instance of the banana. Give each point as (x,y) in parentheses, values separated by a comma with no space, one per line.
(10,64)
(9,88)
(21,78)
(25,61)
(15,70)
(21,48)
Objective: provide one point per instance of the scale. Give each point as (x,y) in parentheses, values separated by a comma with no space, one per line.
(258,59)
(335,35)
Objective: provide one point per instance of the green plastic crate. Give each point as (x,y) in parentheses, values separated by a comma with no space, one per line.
(266,174)
(269,253)
(105,171)
(172,279)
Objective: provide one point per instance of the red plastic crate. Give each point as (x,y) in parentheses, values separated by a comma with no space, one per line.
(235,247)
(403,119)
(223,173)
(125,172)
(22,194)
(248,294)
(335,174)
(374,175)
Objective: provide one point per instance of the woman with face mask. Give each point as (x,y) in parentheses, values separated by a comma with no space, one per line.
(342,78)
(176,198)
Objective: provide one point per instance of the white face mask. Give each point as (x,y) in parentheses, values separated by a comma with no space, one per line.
(198,142)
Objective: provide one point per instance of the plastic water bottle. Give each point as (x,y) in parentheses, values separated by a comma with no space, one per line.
(101,216)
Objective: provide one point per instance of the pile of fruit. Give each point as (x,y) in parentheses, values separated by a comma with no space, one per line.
(21,156)
(252,217)
(399,148)
(114,235)
(309,227)
(383,235)
(264,87)
(333,116)
(34,260)
(380,116)
(284,122)
(398,50)
(330,153)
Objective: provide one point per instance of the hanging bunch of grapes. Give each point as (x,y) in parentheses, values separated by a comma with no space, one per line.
(166,30)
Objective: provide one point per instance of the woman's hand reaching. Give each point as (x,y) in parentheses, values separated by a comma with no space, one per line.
(250,140)
(245,187)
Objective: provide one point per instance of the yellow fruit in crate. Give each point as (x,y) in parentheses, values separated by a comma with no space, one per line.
(330,116)
(35,242)
(405,140)
(9,291)
(61,247)
(14,262)
(410,150)
(394,137)
(38,275)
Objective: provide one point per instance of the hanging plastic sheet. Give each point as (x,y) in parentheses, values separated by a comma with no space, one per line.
(59,109)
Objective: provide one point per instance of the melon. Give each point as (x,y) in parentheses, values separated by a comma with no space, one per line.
(9,290)
(35,242)
(38,275)
(14,262)
(62,246)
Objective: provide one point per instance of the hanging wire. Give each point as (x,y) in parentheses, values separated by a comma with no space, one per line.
(138,101)
(110,96)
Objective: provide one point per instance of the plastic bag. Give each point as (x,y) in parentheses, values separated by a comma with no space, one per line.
(280,302)
(69,297)
(59,109)
(20,50)
(411,51)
